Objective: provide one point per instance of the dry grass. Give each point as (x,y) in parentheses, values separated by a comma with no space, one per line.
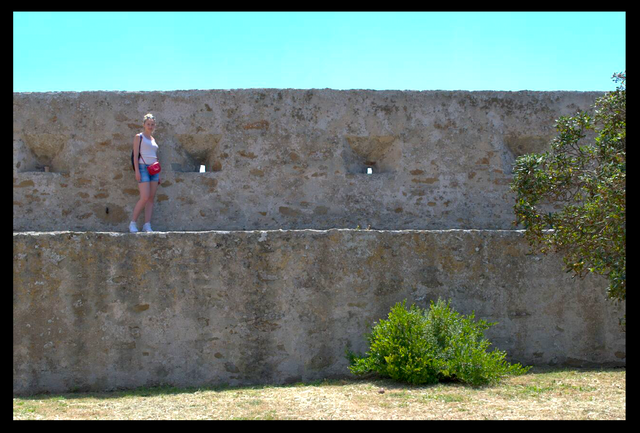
(540,394)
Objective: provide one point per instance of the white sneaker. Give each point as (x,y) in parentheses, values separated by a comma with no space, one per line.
(133,228)
(147,228)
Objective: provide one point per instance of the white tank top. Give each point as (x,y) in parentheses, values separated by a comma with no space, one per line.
(148,150)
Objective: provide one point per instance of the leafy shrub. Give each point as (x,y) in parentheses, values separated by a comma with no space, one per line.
(425,347)
(583,179)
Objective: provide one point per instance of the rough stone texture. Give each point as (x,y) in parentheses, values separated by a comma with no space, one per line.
(98,311)
(280,158)
(196,304)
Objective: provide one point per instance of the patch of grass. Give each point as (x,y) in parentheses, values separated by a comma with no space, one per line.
(539,394)
(446,398)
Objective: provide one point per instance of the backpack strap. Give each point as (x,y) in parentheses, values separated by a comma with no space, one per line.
(139,149)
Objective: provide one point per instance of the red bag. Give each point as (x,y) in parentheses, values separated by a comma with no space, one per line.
(153,168)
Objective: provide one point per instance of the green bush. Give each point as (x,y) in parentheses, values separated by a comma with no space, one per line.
(425,347)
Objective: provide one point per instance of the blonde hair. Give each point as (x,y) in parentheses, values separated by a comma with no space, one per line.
(148,116)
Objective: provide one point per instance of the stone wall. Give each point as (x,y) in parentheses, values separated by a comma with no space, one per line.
(279,158)
(103,310)
(255,273)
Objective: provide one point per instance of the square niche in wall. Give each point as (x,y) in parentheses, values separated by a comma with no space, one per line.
(195,153)
(40,153)
(371,155)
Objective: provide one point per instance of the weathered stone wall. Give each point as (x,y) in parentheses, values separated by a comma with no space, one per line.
(280,158)
(244,301)
(95,311)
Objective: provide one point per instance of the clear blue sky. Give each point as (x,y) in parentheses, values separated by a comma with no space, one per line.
(142,51)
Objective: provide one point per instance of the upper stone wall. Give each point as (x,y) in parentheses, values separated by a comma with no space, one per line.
(280,158)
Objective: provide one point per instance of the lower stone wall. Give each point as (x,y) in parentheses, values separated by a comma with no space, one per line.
(102,310)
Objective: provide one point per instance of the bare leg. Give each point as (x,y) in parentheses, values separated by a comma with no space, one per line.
(148,208)
(144,189)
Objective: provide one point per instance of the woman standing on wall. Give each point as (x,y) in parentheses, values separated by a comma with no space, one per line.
(145,153)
